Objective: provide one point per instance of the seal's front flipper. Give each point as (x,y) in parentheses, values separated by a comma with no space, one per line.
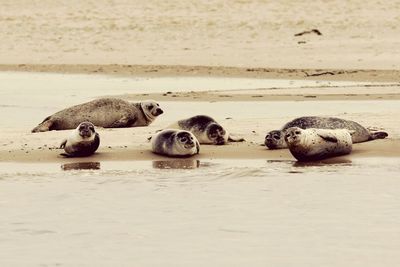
(378,135)
(123,122)
(63,143)
(65,155)
(328,137)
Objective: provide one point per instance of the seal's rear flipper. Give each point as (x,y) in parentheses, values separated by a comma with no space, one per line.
(232,138)
(378,135)
(43,126)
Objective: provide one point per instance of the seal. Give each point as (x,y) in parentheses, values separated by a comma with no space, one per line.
(82,142)
(175,143)
(103,112)
(316,144)
(275,139)
(206,130)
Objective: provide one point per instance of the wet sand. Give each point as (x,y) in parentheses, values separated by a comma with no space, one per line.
(18,144)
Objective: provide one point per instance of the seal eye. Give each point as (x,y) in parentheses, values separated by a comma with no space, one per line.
(288,135)
(151,106)
(297,132)
(183,139)
(277,137)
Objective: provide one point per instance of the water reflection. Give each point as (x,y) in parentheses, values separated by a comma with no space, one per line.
(177,164)
(325,162)
(81,166)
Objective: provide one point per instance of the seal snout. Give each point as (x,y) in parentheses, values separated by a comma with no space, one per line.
(189,144)
(220,141)
(159,111)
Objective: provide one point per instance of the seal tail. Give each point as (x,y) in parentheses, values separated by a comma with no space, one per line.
(379,135)
(43,126)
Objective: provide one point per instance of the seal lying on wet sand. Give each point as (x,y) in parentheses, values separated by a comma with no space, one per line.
(206,130)
(82,142)
(275,139)
(175,143)
(317,144)
(103,112)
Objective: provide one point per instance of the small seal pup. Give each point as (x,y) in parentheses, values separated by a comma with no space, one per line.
(82,142)
(316,144)
(103,112)
(175,143)
(206,129)
(276,139)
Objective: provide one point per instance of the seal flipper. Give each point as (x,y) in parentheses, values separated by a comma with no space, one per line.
(328,137)
(197,148)
(235,139)
(44,126)
(63,143)
(378,135)
(123,122)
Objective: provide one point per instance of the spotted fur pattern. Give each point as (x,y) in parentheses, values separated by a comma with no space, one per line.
(175,143)
(103,112)
(275,139)
(316,144)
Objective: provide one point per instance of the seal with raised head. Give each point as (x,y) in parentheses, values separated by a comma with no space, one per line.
(206,130)
(175,143)
(82,142)
(316,144)
(276,139)
(103,112)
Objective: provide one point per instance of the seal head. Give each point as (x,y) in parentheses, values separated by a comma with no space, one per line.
(216,134)
(275,139)
(151,110)
(86,130)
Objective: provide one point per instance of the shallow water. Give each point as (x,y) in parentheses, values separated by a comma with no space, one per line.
(197,213)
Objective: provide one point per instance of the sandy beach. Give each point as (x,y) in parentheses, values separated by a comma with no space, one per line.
(253,66)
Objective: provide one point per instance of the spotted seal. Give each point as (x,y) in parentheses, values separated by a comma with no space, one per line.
(82,142)
(206,130)
(175,143)
(275,139)
(103,112)
(316,144)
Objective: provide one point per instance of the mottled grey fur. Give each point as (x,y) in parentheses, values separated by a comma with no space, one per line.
(316,144)
(206,130)
(275,139)
(103,112)
(176,143)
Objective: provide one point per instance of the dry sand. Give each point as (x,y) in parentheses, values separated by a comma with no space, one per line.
(240,33)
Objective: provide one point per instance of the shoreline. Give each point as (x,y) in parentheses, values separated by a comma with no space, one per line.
(365,75)
(389,148)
